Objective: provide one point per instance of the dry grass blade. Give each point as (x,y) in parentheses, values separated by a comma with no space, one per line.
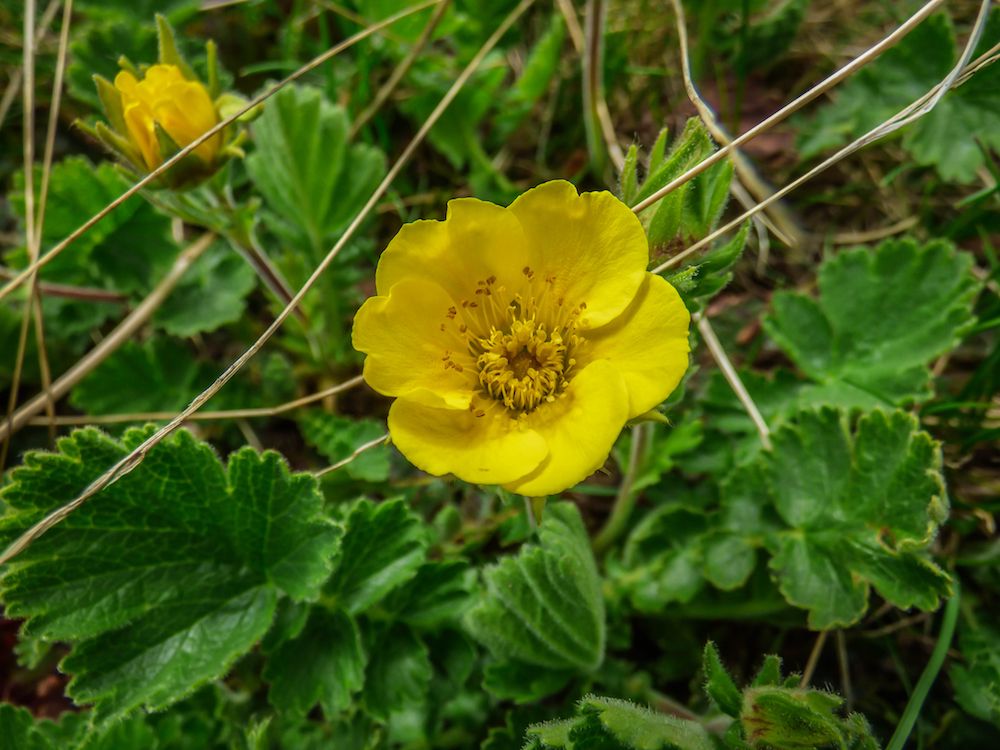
(903,117)
(267,94)
(733,378)
(86,293)
(401,69)
(35,241)
(572,24)
(594,103)
(14,83)
(796,104)
(122,333)
(814,655)
(777,218)
(136,457)
(207,416)
(28,140)
(354,454)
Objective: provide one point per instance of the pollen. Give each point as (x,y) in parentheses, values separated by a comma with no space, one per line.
(524,366)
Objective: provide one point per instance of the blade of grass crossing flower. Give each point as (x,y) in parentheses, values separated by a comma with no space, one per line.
(135,457)
(267,94)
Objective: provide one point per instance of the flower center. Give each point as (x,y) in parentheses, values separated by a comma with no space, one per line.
(524,366)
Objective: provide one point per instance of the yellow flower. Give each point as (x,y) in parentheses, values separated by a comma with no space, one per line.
(164,97)
(519,341)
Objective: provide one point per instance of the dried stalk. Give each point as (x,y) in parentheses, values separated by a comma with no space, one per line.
(206,416)
(381,440)
(401,69)
(733,378)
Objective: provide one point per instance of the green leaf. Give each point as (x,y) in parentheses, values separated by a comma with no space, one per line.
(157,375)
(523,683)
(324,663)
(383,547)
(164,578)
(702,279)
(313,181)
(882,315)
(769,673)
(977,682)
(948,137)
(662,558)
(336,437)
(629,180)
(19,730)
(718,684)
(729,560)
(612,724)
(861,509)
(439,593)
(211,294)
(543,607)
(399,671)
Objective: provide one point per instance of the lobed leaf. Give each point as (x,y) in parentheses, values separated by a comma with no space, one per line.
(882,315)
(384,545)
(312,179)
(167,576)
(861,509)
(543,607)
(612,724)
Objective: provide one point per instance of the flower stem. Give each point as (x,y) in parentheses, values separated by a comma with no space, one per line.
(625,499)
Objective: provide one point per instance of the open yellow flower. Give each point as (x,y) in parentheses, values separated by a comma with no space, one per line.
(166,98)
(519,341)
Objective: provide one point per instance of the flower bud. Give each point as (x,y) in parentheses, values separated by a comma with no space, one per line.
(155,111)
(165,99)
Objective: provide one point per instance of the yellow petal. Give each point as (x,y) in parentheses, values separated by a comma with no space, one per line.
(139,122)
(408,353)
(125,82)
(579,428)
(186,113)
(591,245)
(491,449)
(647,344)
(476,241)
